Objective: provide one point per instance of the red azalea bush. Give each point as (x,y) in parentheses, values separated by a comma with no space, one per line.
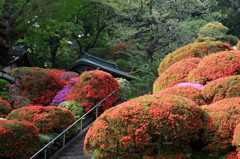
(197,49)
(233,155)
(221,88)
(5,108)
(37,84)
(222,64)
(220,121)
(236,136)
(48,119)
(177,73)
(150,125)
(189,92)
(19,139)
(19,101)
(92,87)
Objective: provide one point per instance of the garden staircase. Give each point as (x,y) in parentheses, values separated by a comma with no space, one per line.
(74,148)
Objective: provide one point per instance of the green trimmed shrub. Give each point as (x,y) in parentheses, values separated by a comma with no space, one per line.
(75,107)
(3,85)
(148,126)
(222,64)
(19,139)
(222,88)
(5,95)
(125,89)
(220,121)
(216,31)
(123,65)
(197,49)
(48,119)
(5,108)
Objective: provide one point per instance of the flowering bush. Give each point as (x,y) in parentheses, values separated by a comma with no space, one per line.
(226,87)
(189,92)
(238,45)
(197,49)
(47,119)
(19,101)
(68,75)
(5,108)
(220,121)
(92,87)
(38,85)
(222,64)
(236,136)
(177,73)
(194,84)
(233,155)
(73,106)
(19,139)
(150,126)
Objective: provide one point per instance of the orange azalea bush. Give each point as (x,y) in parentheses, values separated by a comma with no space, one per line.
(189,92)
(177,73)
(48,119)
(5,108)
(233,155)
(197,49)
(236,136)
(238,46)
(222,64)
(92,87)
(19,139)
(37,84)
(226,87)
(148,126)
(220,121)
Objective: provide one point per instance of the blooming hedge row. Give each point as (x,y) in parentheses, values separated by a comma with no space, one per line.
(220,121)
(145,127)
(92,87)
(189,92)
(37,84)
(176,73)
(19,139)
(221,88)
(48,119)
(196,49)
(216,66)
(5,108)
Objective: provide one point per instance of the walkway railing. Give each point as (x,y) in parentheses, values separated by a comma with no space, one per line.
(66,130)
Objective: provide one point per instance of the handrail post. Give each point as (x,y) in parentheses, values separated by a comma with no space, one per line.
(64,139)
(45,153)
(97,112)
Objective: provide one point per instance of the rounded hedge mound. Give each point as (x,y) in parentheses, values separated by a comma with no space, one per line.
(19,139)
(19,101)
(222,64)
(226,87)
(75,107)
(177,73)
(189,92)
(125,90)
(236,136)
(48,119)
(220,121)
(5,108)
(92,87)
(37,84)
(150,125)
(197,49)
(3,85)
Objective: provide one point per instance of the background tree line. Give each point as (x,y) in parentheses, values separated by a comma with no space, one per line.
(135,33)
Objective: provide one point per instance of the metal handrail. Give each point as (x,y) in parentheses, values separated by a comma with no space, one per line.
(80,119)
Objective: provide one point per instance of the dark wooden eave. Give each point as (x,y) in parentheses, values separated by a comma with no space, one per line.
(90,62)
